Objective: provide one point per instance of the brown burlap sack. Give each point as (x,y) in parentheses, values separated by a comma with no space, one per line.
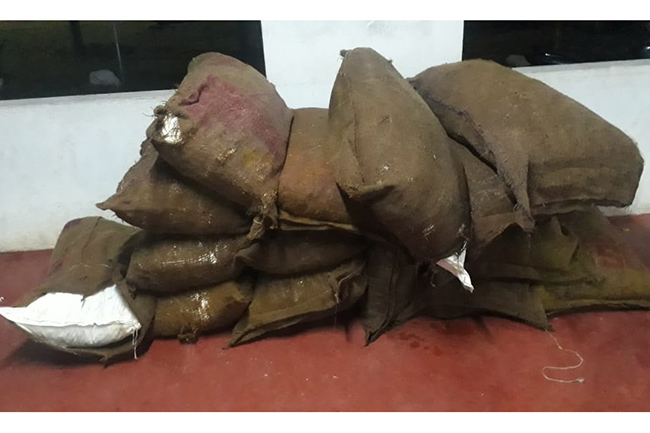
(622,281)
(283,302)
(392,284)
(175,264)
(227,128)
(90,255)
(550,254)
(293,252)
(553,153)
(189,314)
(514,300)
(308,193)
(392,157)
(491,208)
(509,299)
(156,198)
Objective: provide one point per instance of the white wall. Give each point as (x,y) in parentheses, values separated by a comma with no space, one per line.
(60,156)
(302,57)
(620,93)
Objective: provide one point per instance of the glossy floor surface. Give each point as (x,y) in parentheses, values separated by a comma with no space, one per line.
(486,364)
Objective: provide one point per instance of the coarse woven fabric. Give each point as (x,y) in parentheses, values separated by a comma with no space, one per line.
(293,252)
(90,255)
(280,303)
(227,128)
(554,154)
(174,263)
(491,207)
(622,280)
(189,314)
(308,193)
(392,284)
(391,156)
(154,197)
(550,254)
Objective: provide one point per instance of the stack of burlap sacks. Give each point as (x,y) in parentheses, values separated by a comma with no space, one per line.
(257,217)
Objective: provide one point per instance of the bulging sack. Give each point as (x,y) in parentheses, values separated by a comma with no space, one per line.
(392,158)
(308,193)
(227,128)
(293,252)
(189,314)
(552,152)
(280,303)
(175,264)
(156,198)
(84,306)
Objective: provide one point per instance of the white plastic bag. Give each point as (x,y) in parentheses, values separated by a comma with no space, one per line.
(68,320)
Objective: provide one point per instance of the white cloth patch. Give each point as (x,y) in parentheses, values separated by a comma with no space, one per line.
(67,320)
(455,264)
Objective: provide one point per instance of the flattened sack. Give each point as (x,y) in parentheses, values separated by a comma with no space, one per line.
(550,254)
(392,284)
(88,261)
(156,198)
(391,156)
(308,193)
(174,264)
(283,302)
(623,280)
(293,252)
(227,128)
(515,300)
(553,153)
(187,315)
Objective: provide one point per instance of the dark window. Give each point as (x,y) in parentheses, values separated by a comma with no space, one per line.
(521,43)
(58,58)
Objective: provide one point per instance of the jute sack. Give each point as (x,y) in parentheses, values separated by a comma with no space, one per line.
(550,254)
(280,303)
(189,314)
(293,252)
(89,261)
(174,264)
(308,193)
(553,153)
(491,206)
(392,284)
(513,300)
(623,281)
(153,196)
(227,128)
(391,157)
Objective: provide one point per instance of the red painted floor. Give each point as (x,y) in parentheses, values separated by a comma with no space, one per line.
(427,365)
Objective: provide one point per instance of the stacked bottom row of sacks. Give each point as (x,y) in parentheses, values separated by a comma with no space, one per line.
(249,216)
